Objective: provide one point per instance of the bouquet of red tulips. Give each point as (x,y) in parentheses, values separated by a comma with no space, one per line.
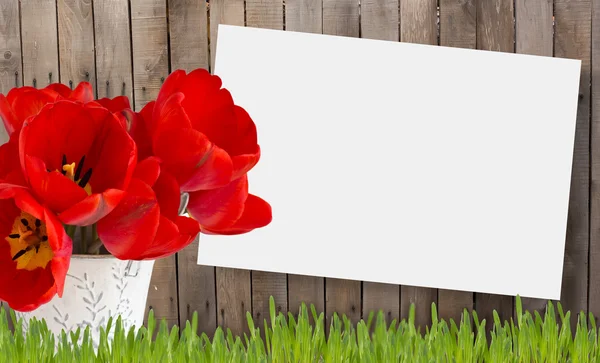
(80,175)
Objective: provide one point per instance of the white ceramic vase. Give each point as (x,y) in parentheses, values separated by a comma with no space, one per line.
(96,288)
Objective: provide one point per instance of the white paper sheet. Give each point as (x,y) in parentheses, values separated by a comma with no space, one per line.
(403,163)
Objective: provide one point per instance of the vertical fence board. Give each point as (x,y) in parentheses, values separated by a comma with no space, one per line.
(458,21)
(379,20)
(305,16)
(76,42)
(341,17)
(534,36)
(188,32)
(113,48)
(495,31)
(10,52)
(572,39)
(418,24)
(266,14)
(594,284)
(40,42)
(306,289)
(234,299)
(150,67)
(265,285)
(150,53)
(230,12)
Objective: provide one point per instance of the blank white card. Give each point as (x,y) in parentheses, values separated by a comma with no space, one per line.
(402,163)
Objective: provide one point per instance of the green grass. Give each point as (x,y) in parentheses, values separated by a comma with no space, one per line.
(531,338)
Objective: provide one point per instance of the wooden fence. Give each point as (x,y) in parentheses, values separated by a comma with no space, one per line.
(129,46)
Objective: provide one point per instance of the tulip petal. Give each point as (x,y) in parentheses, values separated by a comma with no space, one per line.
(139,131)
(82,93)
(196,163)
(220,208)
(132,226)
(169,87)
(116,104)
(168,195)
(93,208)
(170,116)
(57,191)
(172,237)
(59,89)
(148,170)
(257,214)
(9,119)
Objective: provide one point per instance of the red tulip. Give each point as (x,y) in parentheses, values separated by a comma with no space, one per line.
(34,251)
(23,102)
(10,168)
(146,224)
(230,209)
(202,137)
(78,160)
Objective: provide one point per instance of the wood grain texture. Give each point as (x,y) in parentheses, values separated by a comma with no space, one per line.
(304,16)
(380,19)
(458,28)
(495,25)
(150,68)
(197,290)
(150,53)
(113,49)
(76,42)
(594,283)
(230,12)
(451,304)
(495,31)
(534,36)
(40,42)
(458,23)
(418,21)
(234,299)
(572,39)
(264,14)
(265,285)
(422,298)
(344,298)
(188,34)
(11,74)
(341,17)
(384,297)
(306,289)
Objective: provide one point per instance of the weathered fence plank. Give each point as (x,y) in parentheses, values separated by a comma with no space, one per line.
(418,24)
(341,17)
(230,12)
(113,49)
(594,283)
(188,34)
(534,36)
(572,39)
(40,42)
(495,31)
(11,74)
(264,14)
(150,68)
(305,16)
(76,42)
(150,51)
(458,22)
(379,20)
(234,299)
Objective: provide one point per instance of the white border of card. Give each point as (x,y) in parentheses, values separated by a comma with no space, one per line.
(402,163)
